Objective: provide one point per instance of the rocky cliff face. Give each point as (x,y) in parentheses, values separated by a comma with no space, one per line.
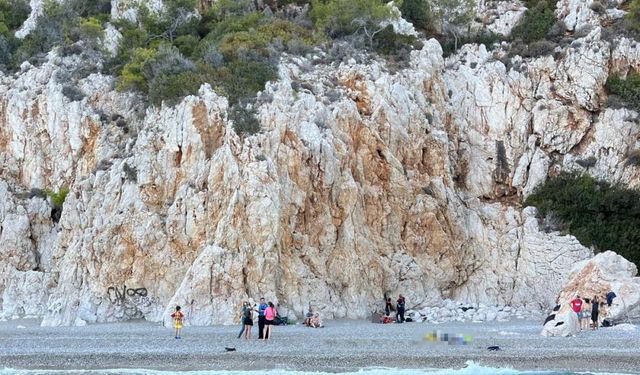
(362,181)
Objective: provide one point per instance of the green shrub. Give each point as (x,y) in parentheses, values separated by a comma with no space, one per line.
(388,43)
(418,12)
(241,79)
(171,88)
(339,18)
(633,15)
(187,44)
(633,158)
(595,212)
(536,23)
(486,38)
(244,120)
(626,89)
(132,75)
(13,13)
(57,198)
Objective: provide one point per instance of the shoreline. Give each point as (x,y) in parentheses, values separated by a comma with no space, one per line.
(341,346)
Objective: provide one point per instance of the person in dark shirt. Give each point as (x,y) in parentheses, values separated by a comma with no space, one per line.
(261,319)
(400,309)
(388,307)
(610,296)
(595,308)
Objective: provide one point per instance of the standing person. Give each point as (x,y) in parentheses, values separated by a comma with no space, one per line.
(270,314)
(178,317)
(576,305)
(585,315)
(261,319)
(595,309)
(610,296)
(243,311)
(248,321)
(400,309)
(388,306)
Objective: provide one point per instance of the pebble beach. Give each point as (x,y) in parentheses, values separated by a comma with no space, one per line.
(342,345)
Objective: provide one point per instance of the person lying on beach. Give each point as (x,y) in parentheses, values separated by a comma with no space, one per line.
(178,317)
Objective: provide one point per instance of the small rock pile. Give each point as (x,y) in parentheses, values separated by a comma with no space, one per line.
(449,311)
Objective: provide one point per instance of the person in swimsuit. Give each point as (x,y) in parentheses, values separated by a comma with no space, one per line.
(585,314)
(595,309)
(270,314)
(178,317)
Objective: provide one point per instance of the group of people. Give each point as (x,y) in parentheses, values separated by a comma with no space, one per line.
(588,310)
(266,312)
(399,308)
(312,319)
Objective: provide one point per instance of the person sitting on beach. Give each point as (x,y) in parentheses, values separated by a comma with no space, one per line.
(316,321)
(178,317)
(307,318)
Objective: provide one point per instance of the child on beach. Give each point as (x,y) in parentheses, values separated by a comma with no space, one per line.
(178,317)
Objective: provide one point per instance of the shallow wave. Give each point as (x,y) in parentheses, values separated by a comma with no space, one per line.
(470,369)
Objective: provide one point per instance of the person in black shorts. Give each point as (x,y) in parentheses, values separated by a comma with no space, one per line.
(247,320)
(595,309)
(400,303)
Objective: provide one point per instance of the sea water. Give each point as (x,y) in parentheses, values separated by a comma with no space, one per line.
(470,369)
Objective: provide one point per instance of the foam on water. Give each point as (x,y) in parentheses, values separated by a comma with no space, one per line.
(470,369)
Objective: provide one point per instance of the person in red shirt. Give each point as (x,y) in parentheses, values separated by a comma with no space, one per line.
(576,305)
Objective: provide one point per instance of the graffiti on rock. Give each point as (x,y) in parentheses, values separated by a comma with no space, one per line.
(129,303)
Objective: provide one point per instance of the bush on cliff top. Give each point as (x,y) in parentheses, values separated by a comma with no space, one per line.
(598,214)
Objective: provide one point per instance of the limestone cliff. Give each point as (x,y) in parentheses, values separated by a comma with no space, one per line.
(363,181)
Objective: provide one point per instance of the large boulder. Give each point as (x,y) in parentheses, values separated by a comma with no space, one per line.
(604,273)
(561,322)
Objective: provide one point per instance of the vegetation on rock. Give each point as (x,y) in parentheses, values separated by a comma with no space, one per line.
(627,90)
(537,21)
(598,214)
